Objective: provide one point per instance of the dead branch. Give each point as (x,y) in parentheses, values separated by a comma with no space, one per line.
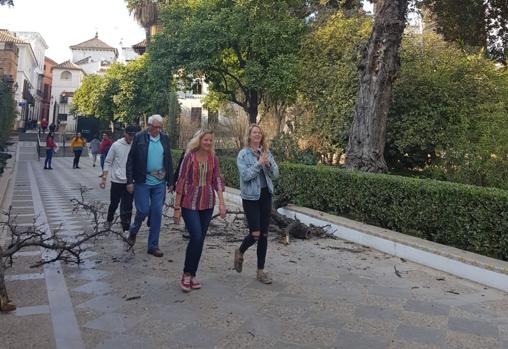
(66,249)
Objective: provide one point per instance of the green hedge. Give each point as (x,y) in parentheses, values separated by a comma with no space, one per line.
(467,217)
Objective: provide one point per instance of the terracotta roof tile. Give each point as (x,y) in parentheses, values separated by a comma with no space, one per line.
(93,43)
(7,36)
(67,65)
(140,44)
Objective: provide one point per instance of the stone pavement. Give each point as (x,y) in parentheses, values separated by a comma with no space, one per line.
(327,293)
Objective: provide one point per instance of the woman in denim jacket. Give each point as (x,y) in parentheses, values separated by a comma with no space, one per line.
(257,169)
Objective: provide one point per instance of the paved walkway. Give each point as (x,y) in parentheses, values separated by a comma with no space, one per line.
(326,294)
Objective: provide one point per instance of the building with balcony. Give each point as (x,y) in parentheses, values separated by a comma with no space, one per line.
(8,55)
(66,79)
(46,87)
(34,74)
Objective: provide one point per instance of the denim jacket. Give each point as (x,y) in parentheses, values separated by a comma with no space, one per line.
(249,170)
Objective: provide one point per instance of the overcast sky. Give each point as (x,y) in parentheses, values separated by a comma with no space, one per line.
(63,23)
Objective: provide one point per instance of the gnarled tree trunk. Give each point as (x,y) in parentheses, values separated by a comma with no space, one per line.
(378,70)
(4,298)
(252,105)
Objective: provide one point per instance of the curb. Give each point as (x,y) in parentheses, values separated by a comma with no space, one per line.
(474,267)
(8,175)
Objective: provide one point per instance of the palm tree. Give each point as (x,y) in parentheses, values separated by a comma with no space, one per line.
(146,13)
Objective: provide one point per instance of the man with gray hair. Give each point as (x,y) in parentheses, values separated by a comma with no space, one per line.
(149,172)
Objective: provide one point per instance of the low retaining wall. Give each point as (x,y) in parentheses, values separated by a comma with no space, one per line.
(484,270)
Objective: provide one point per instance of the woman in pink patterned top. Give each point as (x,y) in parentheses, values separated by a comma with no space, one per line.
(197,183)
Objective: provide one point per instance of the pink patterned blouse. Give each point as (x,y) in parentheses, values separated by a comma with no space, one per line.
(198,181)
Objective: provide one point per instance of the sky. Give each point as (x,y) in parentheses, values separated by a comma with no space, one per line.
(63,23)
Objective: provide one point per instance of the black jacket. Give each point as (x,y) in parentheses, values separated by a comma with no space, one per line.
(177,171)
(136,162)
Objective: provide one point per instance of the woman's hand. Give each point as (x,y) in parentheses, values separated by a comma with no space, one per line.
(263,159)
(177,214)
(222,210)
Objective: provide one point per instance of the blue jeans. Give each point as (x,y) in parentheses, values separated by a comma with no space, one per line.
(149,200)
(103,160)
(49,157)
(196,223)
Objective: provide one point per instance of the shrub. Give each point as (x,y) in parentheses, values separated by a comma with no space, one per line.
(449,111)
(7,109)
(463,216)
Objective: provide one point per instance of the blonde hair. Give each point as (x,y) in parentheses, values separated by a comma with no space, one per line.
(195,141)
(263,143)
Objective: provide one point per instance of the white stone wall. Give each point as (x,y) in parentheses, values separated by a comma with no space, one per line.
(91,68)
(27,70)
(127,54)
(96,55)
(39,47)
(58,86)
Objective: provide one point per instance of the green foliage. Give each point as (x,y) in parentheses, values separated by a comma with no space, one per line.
(173,116)
(449,114)
(474,23)
(286,148)
(232,43)
(462,216)
(122,94)
(329,75)
(7,110)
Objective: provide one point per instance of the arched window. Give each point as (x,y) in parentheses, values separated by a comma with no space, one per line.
(66,75)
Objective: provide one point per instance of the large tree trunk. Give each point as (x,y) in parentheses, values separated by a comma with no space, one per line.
(252,106)
(378,71)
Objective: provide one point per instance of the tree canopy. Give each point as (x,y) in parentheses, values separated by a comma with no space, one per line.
(233,44)
(121,94)
(475,23)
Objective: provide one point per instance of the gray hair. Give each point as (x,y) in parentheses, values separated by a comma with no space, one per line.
(155,117)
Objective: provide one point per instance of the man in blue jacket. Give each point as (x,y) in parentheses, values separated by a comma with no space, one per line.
(149,173)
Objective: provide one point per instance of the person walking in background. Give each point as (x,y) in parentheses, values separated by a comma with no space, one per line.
(104,148)
(149,172)
(94,149)
(50,149)
(257,169)
(115,165)
(44,125)
(198,180)
(77,145)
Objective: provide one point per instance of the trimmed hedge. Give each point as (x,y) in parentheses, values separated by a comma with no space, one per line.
(463,216)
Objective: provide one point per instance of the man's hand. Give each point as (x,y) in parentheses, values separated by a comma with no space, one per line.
(102,184)
(170,188)
(130,188)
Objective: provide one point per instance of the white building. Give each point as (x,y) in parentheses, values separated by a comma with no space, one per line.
(29,75)
(191,101)
(67,78)
(127,54)
(94,56)
(36,74)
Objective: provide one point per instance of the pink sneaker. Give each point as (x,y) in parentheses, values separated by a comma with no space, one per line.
(185,283)
(195,284)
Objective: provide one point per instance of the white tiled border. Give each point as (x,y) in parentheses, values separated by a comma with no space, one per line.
(480,269)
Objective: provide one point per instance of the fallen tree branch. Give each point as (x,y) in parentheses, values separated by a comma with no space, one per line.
(65,249)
